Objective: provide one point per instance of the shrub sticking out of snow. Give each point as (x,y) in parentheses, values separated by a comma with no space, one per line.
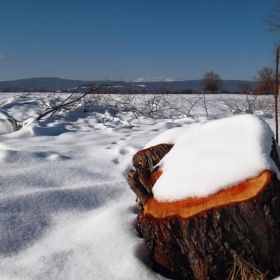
(212,156)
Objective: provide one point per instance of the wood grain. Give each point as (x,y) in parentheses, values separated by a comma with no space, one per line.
(190,207)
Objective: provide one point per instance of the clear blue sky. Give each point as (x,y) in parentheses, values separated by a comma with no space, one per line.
(128,39)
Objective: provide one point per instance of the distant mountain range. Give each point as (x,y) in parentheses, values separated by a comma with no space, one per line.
(149,84)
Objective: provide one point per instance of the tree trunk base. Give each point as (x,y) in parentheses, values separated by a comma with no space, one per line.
(206,244)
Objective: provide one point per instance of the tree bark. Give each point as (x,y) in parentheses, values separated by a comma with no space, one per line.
(203,244)
(144,161)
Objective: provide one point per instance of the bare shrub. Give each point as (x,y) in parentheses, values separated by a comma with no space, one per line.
(154,105)
(115,98)
(252,104)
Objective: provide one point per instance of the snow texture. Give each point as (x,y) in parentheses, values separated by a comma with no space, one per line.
(212,156)
(66,211)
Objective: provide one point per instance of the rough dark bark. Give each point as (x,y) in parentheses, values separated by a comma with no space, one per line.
(143,162)
(203,246)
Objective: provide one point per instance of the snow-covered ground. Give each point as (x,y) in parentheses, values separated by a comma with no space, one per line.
(66,211)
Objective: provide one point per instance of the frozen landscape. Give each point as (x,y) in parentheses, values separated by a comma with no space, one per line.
(66,210)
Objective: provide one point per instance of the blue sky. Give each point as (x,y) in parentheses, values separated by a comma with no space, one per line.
(128,39)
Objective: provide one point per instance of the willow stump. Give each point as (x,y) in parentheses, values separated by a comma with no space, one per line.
(199,238)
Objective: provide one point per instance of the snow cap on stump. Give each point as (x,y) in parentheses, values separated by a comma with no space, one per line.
(208,157)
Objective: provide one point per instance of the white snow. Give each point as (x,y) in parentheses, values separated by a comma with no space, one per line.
(157,79)
(66,211)
(5,126)
(211,156)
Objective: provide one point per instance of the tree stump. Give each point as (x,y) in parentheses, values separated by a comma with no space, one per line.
(200,238)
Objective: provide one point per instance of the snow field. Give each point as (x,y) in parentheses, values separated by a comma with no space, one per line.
(66,211)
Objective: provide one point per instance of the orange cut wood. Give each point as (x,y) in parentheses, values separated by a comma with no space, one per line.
(190,207)
(154,176)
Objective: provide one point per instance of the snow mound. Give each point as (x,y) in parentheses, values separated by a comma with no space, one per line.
(211,156)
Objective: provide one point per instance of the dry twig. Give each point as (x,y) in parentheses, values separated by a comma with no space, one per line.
(243,270)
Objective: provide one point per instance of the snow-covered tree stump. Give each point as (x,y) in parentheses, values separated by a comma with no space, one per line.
(199,238)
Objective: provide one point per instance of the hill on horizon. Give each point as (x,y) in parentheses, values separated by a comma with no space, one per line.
(55,84)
